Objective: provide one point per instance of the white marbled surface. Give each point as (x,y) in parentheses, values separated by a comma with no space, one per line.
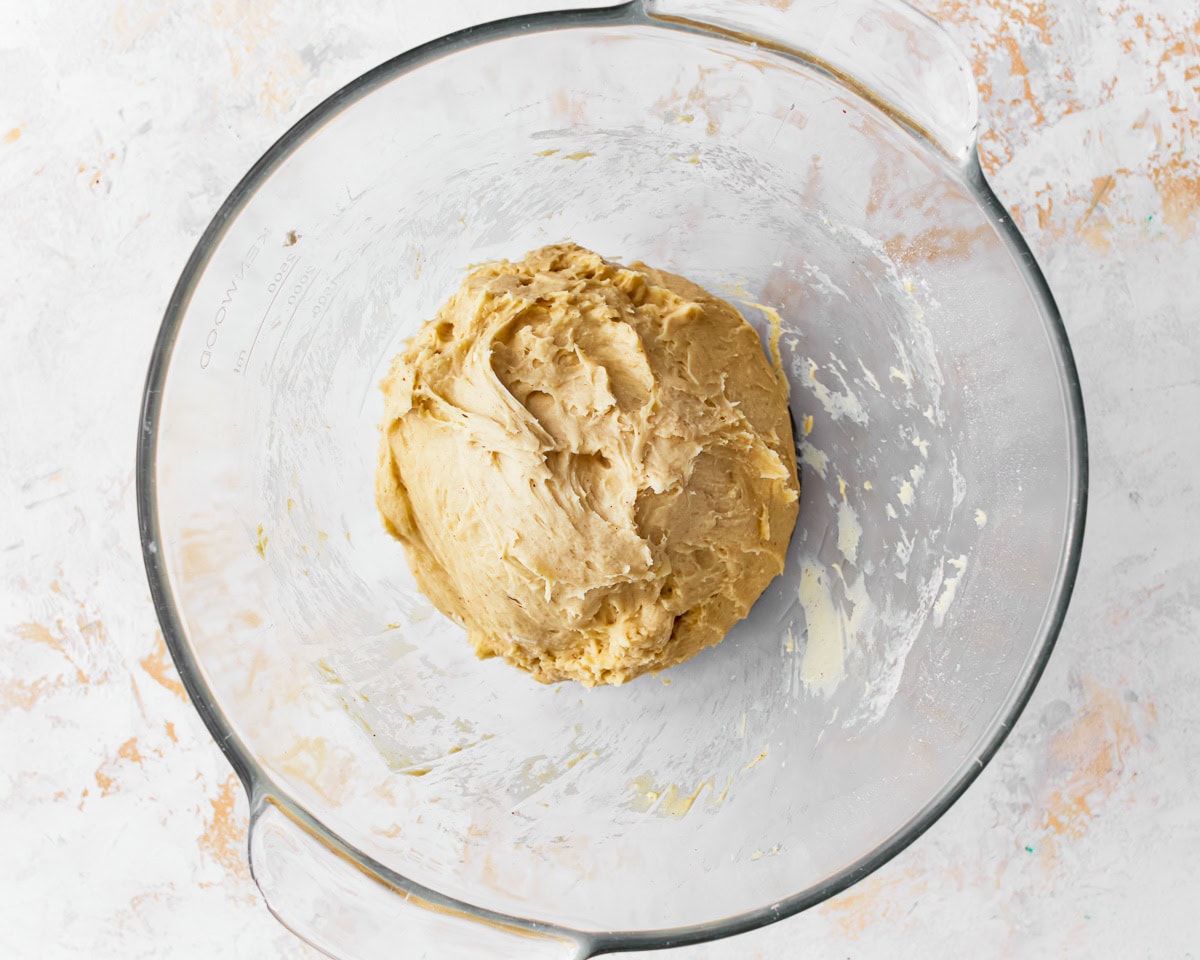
(123,124)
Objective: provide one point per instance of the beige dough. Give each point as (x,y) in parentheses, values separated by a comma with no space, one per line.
(590,466)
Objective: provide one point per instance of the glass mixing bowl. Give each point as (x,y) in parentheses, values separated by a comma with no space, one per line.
(813,162)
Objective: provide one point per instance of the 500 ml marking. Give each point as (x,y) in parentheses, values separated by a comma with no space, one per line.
(214,331)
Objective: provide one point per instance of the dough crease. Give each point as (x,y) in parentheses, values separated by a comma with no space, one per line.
(590,466)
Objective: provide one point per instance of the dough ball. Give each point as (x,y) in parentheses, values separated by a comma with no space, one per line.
(590,466)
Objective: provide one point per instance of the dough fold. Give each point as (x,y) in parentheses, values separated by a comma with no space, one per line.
(591,466)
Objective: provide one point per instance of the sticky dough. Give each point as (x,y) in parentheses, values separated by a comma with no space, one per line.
(590,466)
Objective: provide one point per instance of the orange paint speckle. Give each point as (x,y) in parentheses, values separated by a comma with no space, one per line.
(13,135)
(1068,815)
(1117,614)
(326,768)
(937,244)
(1089,757)
(569,107)
(1179,191)
(1101,188)
(92,629)
(160,670)
(225,831)
(22,695)
(1044,214)
(107,783)
(1005,31)
(1017,65)
(129,751)
(108,773)
(39,633)
(171,732)
(1096,235)
(877,899)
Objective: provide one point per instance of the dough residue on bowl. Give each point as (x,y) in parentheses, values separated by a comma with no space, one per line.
(591,466)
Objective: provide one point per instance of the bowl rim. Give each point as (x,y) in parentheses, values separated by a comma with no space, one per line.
(258,784)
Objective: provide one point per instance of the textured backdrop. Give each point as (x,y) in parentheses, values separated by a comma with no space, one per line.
(123,124)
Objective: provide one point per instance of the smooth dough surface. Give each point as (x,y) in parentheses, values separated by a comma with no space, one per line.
(591,466)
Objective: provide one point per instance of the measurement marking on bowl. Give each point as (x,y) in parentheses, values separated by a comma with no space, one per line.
(300,289)
(233,286)
(320,309)
(277,281)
